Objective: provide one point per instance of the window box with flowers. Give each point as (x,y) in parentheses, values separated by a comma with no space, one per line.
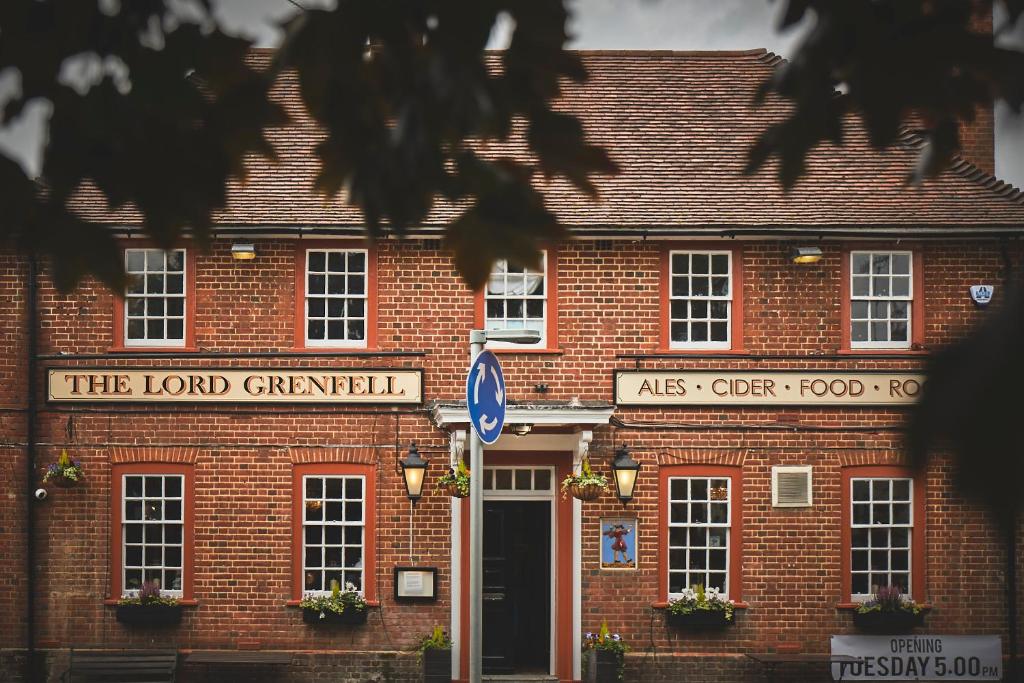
(66,472)
(436,650)
(149,608)
(888,612)
(586,484)
(339,607)
(697,608)
(603,656)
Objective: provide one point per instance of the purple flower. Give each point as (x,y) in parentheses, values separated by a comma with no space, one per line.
(616,636)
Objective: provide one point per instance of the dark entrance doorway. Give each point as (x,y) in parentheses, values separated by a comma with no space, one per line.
(517,587)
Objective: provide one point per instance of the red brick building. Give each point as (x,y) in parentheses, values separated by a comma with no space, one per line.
(674,321)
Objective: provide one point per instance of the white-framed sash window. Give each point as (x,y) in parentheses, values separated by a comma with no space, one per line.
(154,299)
(336,297)
(881,299)
(516,298)
(881,534)
(699,533)
(700,299)
(152,532)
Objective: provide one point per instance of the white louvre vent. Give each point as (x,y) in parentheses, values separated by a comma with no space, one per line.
(791,486)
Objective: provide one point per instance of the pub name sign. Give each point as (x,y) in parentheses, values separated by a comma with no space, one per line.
(232,385)
(714,387)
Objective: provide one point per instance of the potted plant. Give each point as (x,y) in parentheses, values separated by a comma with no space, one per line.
(149,608)
(700,608)
(585,484)
(66,472)
(456,481)
(436,650)
(340,607)
(888,611)
(604,656)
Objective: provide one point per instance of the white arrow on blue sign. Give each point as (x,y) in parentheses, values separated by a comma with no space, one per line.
(485,396)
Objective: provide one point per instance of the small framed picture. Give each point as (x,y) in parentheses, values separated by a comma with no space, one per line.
(416,583)
(618,543)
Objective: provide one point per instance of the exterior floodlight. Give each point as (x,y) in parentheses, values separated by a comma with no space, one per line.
(521,429)
(414,470)
(243,252)
(625,469)
(805,254)
(512,336)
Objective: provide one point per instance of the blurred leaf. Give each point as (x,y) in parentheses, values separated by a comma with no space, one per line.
(897,62)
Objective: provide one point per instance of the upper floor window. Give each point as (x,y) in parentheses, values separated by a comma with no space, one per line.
(700,299)
(154,300)
(881,299)
(516,298)
(881,534)
(336,297)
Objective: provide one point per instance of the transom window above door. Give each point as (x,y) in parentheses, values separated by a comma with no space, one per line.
(700,299)
(521,480)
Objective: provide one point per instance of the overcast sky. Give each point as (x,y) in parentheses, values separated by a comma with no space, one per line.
(596,24)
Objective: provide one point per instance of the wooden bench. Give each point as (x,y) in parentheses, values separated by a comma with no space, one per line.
(122,666)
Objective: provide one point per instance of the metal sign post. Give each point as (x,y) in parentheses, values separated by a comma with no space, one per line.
(485,401)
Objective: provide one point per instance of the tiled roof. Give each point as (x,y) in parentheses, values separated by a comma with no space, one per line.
(679,125)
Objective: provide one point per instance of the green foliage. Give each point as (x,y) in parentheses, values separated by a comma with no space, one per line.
(585,477)
(66,467)
(149,594)
(437,640)
(176,110)
(889,599)
(893,63)
(607,641)
(458,476)
(338,601)
(697,599)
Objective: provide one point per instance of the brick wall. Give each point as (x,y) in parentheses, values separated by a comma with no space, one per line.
(609,305)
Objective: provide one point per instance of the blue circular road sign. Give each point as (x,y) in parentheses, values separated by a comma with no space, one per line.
(485,396)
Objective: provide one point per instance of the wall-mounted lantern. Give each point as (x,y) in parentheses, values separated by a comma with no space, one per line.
(243,252)
(414,470)
(625,470)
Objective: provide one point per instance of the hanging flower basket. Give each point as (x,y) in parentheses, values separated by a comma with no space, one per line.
(585,484)
(66,472)
(456,481)
(888,623)
(452,489)
(586,492)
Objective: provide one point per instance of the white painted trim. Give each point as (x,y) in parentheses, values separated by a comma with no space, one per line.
(538,442)
(446,416)
(458,439)
(577,588)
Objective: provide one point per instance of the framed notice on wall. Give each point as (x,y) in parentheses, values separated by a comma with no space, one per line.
(618,543)
(416,583)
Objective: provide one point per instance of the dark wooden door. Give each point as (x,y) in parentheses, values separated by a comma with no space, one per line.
(517,587)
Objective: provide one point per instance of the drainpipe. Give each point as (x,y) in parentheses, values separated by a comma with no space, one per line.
(32,351)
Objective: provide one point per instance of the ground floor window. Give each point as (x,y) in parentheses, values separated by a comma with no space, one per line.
(700,537)
(152,528)
(334,527)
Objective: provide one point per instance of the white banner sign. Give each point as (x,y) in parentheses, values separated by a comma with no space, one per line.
(918,658)
(782,387)
(232,385)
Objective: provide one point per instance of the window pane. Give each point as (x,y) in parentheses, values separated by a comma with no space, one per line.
(317,261)
(680,263)
(861,286)
(700,264)
(861,263)
(880,286)
(880,263)
(356,262)
(134,260)
(901,263)
(720,264)
(901,286)
(699,331)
